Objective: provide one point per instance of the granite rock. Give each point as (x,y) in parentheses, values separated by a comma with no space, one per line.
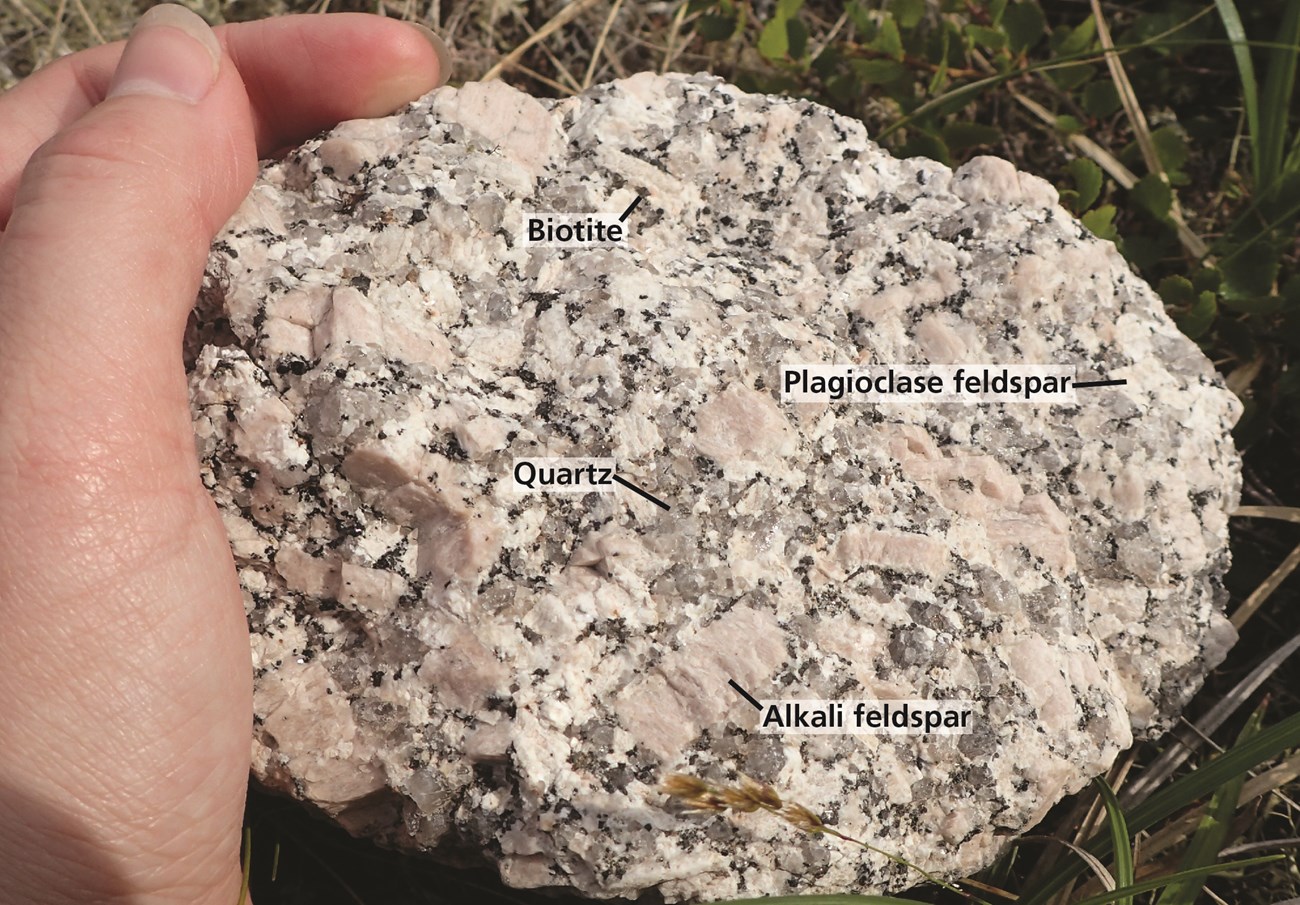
(449,665)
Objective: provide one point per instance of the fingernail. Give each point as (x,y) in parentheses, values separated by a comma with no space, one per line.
(440,48)
(171,53)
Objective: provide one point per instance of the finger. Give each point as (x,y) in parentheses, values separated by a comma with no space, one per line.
(306,73)
(302,74)
(125,646)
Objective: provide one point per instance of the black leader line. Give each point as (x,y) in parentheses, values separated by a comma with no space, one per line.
(631,207)
(635,489)
(1099,383)
(745,694)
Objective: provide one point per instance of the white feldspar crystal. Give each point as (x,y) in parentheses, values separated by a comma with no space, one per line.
(448,664)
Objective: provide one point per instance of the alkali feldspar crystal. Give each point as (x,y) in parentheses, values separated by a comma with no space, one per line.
(445,663)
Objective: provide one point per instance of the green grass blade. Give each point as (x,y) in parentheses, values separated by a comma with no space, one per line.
(1119,838)
(1200,873)
(246,869)
(1178,795)
(1108,898)
(821,900)
(1212,832)
(1238,759)
(1275,102)
(1246,69)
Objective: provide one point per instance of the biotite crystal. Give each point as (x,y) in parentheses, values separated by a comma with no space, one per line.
(449,665)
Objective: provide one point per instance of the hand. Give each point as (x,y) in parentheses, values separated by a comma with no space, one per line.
(125,677)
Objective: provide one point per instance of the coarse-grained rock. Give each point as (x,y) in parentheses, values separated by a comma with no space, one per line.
(447,664)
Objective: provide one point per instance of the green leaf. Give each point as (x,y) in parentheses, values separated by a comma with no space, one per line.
(1171,148)
(961,135)
(992,38)
(797,35)
(772,82)
(1153,195)
(1101,221)
(1121,842)
(1176,290)
(907,12)
(996,10)
(923,144)
(888,41)
(1198,318)
(829,63)
(857,11)
(1262,304)
(1024,23)
(878,72)
(1087,179)
(774,41)
(1207,278)
(1146,249)
(1077,39)
(716,28)
(1068,124)
(1250,270)
(1100,98)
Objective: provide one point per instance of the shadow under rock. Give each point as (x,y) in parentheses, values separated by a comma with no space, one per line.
(299,858)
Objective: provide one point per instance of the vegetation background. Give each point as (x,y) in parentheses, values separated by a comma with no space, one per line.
(1170,128)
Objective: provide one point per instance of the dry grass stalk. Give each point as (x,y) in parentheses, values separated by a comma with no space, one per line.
(561,70)
(671,52)
(558,21)
(1191,242)
(749,796)
(600,44)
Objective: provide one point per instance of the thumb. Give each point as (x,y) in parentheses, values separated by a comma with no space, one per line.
(125,645)
(106,246)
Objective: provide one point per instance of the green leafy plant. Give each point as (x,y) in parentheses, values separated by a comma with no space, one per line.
(967,78)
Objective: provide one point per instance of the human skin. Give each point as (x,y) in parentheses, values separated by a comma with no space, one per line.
(125,675)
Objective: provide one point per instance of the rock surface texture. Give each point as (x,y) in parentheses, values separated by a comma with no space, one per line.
(448,664)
